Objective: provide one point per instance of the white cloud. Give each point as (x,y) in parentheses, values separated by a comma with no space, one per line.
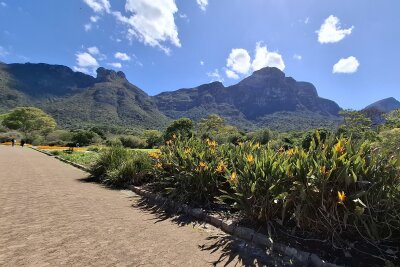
(297,57)
(346,65)
(3,4)
(239,60)
(202,4)
(115,65)
(231,74)
(99,6)
(3,52)
(151,22)
(85,63)
(265,58)
(122,56)
(331,31)
(87,27)
(215,76)
(202,62)
(307,20)
(94,19)
(93,50)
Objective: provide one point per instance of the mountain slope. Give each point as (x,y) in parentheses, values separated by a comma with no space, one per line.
(76,99)
(266,92)
(384,105)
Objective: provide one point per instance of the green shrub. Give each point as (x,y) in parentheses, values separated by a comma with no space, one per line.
(134,170)
(132,142)
(187,170)
(109,159)
(119,166)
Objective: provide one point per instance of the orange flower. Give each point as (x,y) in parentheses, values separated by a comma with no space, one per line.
(341,197)
(290,152)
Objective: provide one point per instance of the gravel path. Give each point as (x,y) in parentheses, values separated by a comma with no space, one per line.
(50,216)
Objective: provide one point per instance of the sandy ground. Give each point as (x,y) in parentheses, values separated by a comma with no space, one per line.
(51,216)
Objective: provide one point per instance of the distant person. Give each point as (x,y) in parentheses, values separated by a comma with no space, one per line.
(22,143)
(13,142)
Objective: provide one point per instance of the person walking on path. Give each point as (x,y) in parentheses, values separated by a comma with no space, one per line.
(13,142)
(22,143)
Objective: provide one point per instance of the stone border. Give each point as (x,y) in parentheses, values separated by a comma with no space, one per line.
(228,226)
(79,166)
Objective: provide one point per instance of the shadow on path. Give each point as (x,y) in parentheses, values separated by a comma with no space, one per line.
(233,251)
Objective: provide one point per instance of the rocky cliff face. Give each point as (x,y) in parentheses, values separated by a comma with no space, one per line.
(76,99)
(265,92)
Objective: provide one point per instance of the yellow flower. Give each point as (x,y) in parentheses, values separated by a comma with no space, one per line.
(240,143)
(187,151)
(212,144)
(233,178)
(339,147)
(324,171)
(154,155)
(249,158)
(341,197)
(256,145)
(159,165)
(221,167)
(290,152)
(281,149)
(202,166)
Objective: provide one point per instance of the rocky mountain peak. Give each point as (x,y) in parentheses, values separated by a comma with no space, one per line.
(385,105)
(106,75)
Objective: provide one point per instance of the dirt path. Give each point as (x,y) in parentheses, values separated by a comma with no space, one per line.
(50,217)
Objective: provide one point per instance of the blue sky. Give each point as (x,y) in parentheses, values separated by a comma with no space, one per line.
(348,49)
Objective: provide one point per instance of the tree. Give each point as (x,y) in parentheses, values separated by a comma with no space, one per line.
(213,123)
(153,138)
(85,138)
(355,123)
(182,127)
(392,119)
(29,121)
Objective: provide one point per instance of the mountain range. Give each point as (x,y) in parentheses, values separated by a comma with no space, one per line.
(267,98)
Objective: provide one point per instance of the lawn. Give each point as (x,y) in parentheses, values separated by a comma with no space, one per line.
(83,158)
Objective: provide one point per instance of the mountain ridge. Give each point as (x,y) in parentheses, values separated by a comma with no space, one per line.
(264,99)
